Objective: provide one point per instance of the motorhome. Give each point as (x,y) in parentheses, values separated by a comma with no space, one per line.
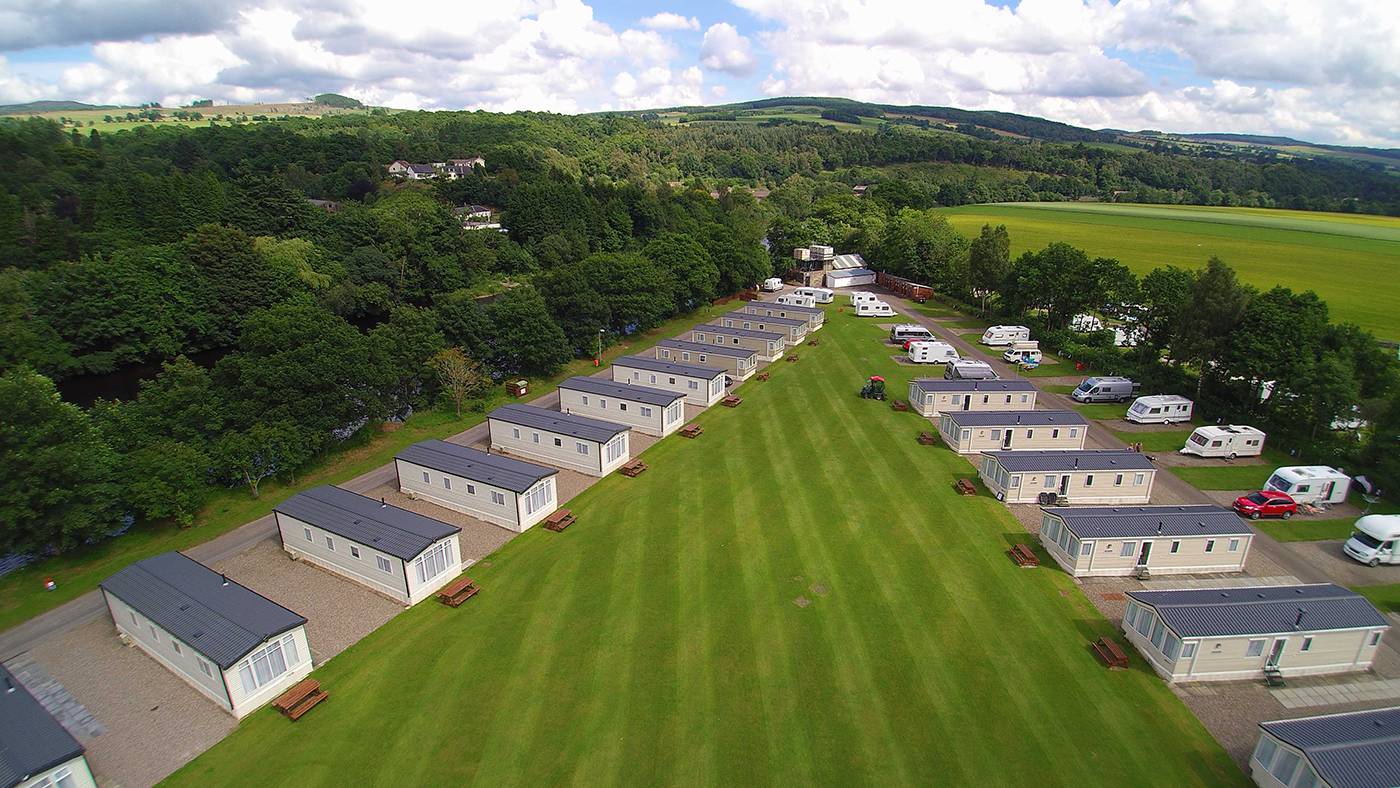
(969,370)
(1085,323)
(1376,540)
(1314,484)
(793,299)
(905,332)
(1022,353)
(820,295)
(1108,389)
(921,352)
(863,296)
(1231,440)
(1159,409)
(1005,335)
(874,309)
(772,285)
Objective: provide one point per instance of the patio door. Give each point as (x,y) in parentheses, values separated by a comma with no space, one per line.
(967,401)
(1276,652)
(1064,484)
(1327,492)
(1144,554)
(1006,439)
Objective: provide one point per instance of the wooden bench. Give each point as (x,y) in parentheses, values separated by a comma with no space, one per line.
(300,699)
(458,591)
(814,341)
(927,438)
(1024,556)
(762,376)
(559,520)
(1110,652)
(633,468)
(899,405)
(692,431)
(731,401)
(965,487)
(792,357)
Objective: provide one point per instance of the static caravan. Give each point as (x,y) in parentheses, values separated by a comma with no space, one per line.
(1106,541)
(1232,634)
(739,363)
(1079,477)
(703,386)
(578,443)
(812,316)
(1160,409)
(1313,484)
(1022,353)
(795,299)
(1233,440)
(850,277)
(932,353)
(907,332)
(932,396)
(511,493)
(403,555)
(1105,389)
(769,345)
(820,295)
(874,309)
(235,646)
(36,751)
(967,369)
(1351,750)
(973,432)
(1005,335)
(658,412)
(793,328)
(861,296)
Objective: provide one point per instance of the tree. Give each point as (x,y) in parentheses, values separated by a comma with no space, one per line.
(524,338)
(1277,338)
(402,346)
(166,479)
(181,404)
(231,280)
(1203,332)
(1165,292)
(459,376)
(697,277)
(989,261)
(262,452)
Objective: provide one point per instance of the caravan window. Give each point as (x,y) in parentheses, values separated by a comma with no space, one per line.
(1279,483)
(1200,440)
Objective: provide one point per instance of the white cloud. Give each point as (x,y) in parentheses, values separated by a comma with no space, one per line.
(669,21)
(723,49)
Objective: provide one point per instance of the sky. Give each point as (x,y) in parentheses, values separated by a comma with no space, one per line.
(1320,70)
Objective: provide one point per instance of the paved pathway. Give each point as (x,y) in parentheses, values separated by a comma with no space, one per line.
(1333,694)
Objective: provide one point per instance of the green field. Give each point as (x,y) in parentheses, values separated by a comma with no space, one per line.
(1224,477)
(796,597)
(86,119)
(1351,261)
(1386,597)
(1302,529)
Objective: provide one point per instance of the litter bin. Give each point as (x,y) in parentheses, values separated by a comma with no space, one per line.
(518,388)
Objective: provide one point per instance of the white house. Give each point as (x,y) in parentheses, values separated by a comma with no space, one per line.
(973,432)
(653,411)
(503,490)
(565,440)
(1083,476)
(769,345)
(794,329)
(403,555)
(739,363)
(235,646)
(703,386)
(36,751)
(1099,541)
(815,316)
(1356,749)
(934,396)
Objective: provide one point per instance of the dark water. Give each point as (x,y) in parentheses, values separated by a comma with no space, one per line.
(123,383)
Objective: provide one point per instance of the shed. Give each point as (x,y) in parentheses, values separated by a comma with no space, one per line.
(501,490)
(1237,633)
(739,363)
(35,749)
(814,316)
(1357,749)
(237,647)
(769,345)
(973,432)
(703,386)
(564,440)
(933,396)
(1095,541)
(1082,476)
(654,411)
(850,277)
(370,542)
(795,329)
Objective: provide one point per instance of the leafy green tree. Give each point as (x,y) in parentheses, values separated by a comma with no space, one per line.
(1204,331)
(1166,292)
(231,280)
(923,246)
(263,451)
(696,275)
(25,335)
(989,261)
(459,376)
(524,338)
(165,480)
(402,346)
(180,404)
(1275,339)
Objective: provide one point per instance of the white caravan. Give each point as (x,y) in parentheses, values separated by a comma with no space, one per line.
(1376,540)
(874,309)
(1022,353)
(905,332)
(1084,323)
(772,285)
(1312,484)
(794,299)
(1159,409)
(821,295)
(969,370)
(932,353)
(862,296)
(1232,440)
(1005,335)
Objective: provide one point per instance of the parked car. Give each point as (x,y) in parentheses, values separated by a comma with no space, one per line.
(1266,503)
(1109,389)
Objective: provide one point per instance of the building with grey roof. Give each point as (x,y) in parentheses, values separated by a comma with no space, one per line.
(35,749)
(1238,633)
(814,317)
(973,432)
(1097,541)
(1358,749)
(769,345)
(501,490)
(401,554)
(795,330)
(703,386)
(561,440)
(934,396)
(737,362)
(1079,476)
(237,647)
(654,411)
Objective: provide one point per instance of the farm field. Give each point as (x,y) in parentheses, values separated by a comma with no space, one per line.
(795,597)
(1351,261)
(85,119)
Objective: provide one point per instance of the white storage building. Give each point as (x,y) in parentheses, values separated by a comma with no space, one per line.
(703,386)
(578,443)
(503,490)
(653,411)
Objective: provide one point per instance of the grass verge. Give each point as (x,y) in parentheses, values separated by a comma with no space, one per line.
(1386,598)
(1302,529)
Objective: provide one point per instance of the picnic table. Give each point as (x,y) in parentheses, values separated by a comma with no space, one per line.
(1024,556)
(899,405)
(300,699)
(792,357)
(633,468)
(458,591)
(965,487)
(559,520)
(762,376)
(692,431)
(1110,652)
(731,401)
(814,341)
(927,438)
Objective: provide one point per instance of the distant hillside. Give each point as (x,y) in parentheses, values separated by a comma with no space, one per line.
(49,106)
(1256,139)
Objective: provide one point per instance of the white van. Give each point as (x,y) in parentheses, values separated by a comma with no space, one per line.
(969,370)
(1159,409)
(1022,353)
(874,309)
(772,285)
(1106,389)
(932,353)
(1232,440)
(795,299)
(905,332)
(820,295)
(1312,484)
(1375,541)
(1005,335)
(859,297)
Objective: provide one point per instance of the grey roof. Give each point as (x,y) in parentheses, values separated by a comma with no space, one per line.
(1131,522)
(670,368)
(1359,749)
(539,418)
(423,168)
(716,328)
(31,740)
(384,527)
(1015,418)
(740,314)
(607,388)
(475,465)
(806,310)
(990,386)
(208,612)
(733,351)
(1086,460)
(1261,610)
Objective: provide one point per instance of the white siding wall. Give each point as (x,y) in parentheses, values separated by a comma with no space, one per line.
(245,703)
(478,499)
(1107,487)
(738,368)
(418,590)
(767,350)
(641,416)
(137,629)
(698,391)
(934,403)
(337,556)
(538,444)
(974,440)
(76,772)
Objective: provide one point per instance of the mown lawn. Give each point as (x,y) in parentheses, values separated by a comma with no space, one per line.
(1386,597)
(1156,442)
(797,597)
(1224,477)
(1305,529)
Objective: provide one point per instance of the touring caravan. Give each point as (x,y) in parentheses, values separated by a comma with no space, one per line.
(772,285)
(820,295)
(794,299)
(862,296)
(873,309)
(1376,540)
(1159,409)
(1005,335)
(1085,323)
(969,370)
(1108,389)
(905,332)
(1232,440)
(1022,353)
(1314,484)
(932,353)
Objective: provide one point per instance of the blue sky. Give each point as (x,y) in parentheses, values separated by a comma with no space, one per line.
(1327,72)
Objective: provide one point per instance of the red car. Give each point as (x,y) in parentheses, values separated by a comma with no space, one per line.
(1266,503)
